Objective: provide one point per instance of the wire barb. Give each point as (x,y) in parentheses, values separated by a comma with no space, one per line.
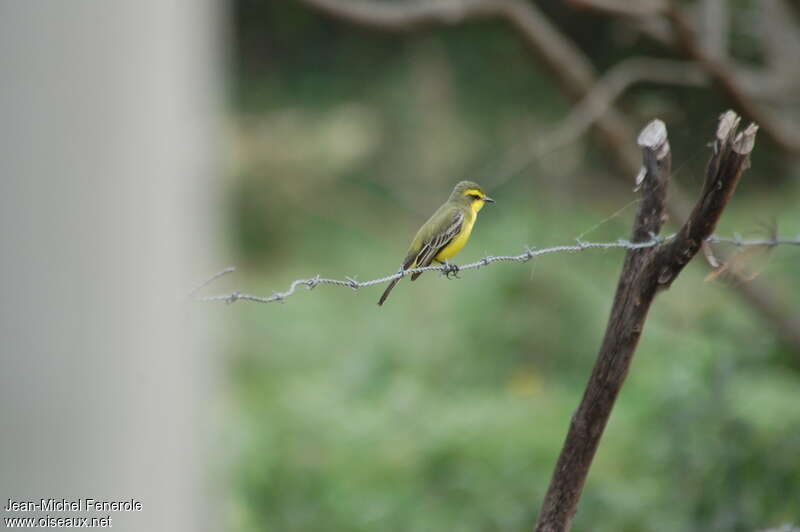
(233,297)
(229,269)
(529,253)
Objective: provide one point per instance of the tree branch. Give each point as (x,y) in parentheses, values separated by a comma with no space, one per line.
(644,273)
(599,99)
(621,7)
(783,134)
(731,157)
(541,37)
(408,15)
(571,69)
(730,82)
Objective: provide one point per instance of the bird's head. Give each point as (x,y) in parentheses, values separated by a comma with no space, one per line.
(470,195)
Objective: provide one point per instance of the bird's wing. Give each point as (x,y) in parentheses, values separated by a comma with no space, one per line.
(440,236)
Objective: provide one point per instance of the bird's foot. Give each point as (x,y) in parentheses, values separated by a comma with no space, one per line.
(451,270)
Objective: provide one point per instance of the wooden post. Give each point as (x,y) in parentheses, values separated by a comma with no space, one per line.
(644,273)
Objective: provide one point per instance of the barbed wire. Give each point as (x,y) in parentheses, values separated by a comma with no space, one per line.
(448,269)
(738,241)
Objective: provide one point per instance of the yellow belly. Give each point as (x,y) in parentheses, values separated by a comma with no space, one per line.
(450,250)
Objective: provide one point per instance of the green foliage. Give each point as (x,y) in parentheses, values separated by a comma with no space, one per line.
(446,409)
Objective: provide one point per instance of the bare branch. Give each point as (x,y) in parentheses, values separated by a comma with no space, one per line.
(644,273)
(783,134)
(644,17)
(571,69)
(541,37)
(794,5)
(710,58)
(714,15)
(745,87)
(597,102)
(621,7)
(631,303)
(411,15)
(731,157)
(779,82)
(784,319)
(599,99)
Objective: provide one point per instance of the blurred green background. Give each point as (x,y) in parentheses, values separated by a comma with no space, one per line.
(446,409)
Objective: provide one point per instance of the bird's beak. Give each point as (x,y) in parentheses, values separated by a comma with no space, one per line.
(487,199)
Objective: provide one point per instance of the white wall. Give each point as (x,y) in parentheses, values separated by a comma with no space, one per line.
(107,160)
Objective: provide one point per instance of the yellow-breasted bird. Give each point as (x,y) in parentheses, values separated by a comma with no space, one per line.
(446,232)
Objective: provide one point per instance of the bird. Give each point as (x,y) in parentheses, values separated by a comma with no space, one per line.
(445,233)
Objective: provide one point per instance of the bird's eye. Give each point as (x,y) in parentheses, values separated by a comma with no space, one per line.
(475,197)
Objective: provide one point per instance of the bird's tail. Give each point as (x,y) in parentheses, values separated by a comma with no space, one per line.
(388,289)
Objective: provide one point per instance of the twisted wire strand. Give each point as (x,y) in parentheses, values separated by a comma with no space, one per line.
(529,254)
